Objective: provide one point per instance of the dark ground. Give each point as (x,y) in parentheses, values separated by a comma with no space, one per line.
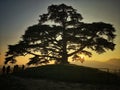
(57,78)
(18,83)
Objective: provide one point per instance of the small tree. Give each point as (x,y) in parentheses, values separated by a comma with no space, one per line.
(67,37)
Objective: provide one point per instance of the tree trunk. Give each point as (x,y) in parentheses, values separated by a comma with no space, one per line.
(64,58)
(64,54)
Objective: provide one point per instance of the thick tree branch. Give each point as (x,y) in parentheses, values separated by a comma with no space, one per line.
(40,55)
(82,47)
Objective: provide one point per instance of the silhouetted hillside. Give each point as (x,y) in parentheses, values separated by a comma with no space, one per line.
(70,73)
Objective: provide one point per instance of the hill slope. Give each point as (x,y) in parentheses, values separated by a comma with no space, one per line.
(70,73)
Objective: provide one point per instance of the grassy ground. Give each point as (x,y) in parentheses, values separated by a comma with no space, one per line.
(71,73)
(19,83)
(8,82)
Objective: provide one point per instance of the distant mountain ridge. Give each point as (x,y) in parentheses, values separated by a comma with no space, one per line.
(110,64)
(114,61)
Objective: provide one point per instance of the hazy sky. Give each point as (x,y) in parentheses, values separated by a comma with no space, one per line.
(17,15)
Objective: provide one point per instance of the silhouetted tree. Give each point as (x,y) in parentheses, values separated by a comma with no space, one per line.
(66,37)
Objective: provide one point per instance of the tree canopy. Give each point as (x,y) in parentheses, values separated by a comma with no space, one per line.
(67,37)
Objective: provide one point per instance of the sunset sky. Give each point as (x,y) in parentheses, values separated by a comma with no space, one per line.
(17,15)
